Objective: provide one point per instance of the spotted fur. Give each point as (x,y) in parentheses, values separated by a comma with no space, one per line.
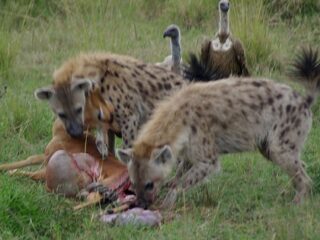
(189,131)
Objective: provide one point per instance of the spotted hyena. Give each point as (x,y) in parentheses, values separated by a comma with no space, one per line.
(194,126)
(132,86)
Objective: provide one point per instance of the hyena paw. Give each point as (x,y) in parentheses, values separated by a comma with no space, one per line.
(102,148)
(300,197)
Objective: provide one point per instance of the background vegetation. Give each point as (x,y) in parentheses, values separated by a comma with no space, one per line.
(250,199)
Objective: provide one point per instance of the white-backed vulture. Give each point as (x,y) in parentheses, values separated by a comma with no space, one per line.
(220,57)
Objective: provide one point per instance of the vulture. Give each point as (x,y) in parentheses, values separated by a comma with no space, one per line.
(220,57)
(173,61)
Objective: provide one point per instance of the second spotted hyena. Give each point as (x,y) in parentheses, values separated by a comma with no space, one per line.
(193,127)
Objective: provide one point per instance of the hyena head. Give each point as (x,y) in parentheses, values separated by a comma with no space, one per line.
(68,103)
(147,174)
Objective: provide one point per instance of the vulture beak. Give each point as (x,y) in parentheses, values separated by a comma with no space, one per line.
(166,34)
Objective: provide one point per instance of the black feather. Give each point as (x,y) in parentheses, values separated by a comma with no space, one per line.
(206,51)
(200,69)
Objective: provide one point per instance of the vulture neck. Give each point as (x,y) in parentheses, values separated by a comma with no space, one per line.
(223,33)
(176,50)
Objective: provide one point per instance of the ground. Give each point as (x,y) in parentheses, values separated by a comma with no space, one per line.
(249,199)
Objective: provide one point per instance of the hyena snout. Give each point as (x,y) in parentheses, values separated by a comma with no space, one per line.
(143,203)
(145,199)
(75,130)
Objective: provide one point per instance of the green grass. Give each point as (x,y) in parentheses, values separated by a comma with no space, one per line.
(250,199)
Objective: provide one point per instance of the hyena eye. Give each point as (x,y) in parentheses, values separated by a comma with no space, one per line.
(79,110)
(62,115)
(149,186)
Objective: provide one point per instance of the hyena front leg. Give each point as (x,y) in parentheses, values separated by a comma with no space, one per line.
(182,167)
(195,175)
(203,164)
(204,160)
(102,143)
(111,141)
(199,172)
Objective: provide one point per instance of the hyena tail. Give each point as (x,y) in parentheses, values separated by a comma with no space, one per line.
(306,69)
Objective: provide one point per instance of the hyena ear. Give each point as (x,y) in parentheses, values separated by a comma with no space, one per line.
(44,93)
(162,156)
(125,155)
(81,84)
